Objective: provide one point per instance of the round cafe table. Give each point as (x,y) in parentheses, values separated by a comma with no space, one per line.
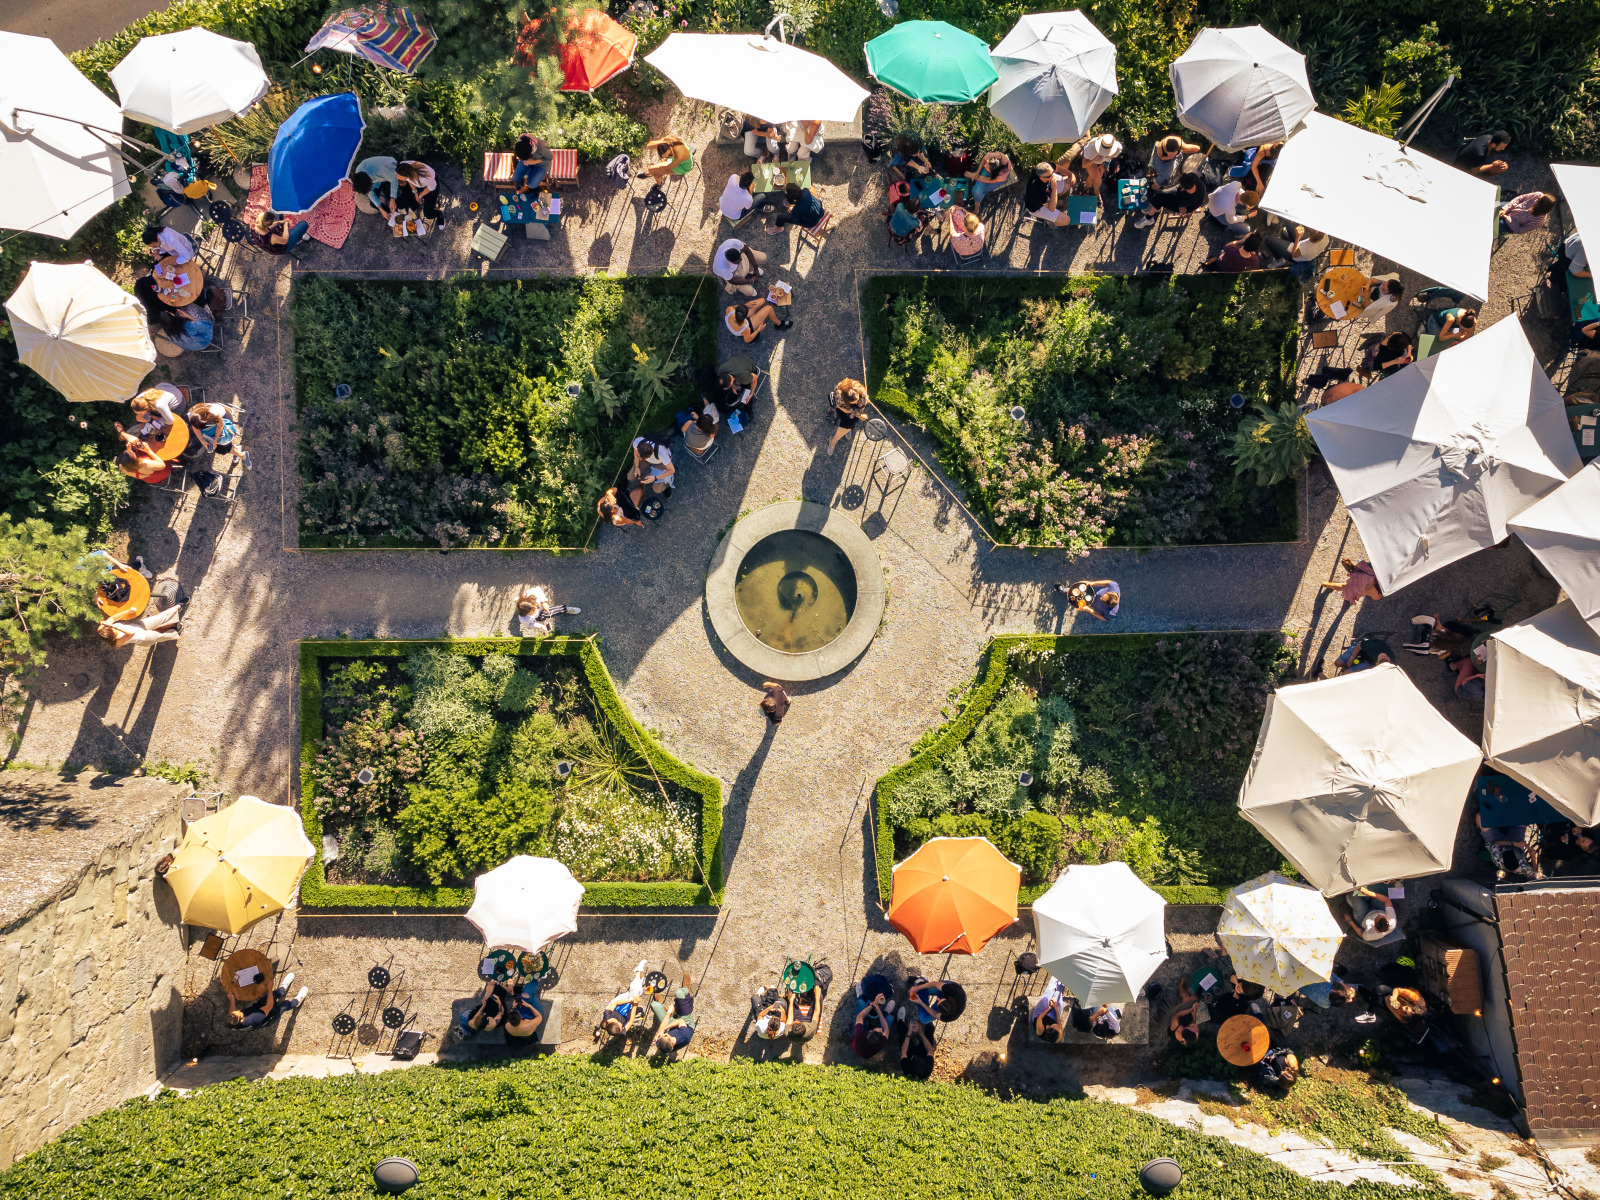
(176,442)
(167,269)
(1243,1040)
(243,960)
(1342,285)
(138,596)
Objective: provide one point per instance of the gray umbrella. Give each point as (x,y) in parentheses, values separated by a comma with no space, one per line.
(1241,87)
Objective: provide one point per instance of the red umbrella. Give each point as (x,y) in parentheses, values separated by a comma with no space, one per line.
(596,50)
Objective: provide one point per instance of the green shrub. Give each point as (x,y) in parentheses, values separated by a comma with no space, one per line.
(46,589)
(372,740)
(1275,446)
(1033,842)
(1377,108)
(455,835)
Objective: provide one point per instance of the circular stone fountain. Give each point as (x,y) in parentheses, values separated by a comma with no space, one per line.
(795,591)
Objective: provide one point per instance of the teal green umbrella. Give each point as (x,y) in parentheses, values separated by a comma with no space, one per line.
(932,62)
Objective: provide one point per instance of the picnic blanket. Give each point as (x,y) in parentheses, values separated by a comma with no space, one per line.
(330,218)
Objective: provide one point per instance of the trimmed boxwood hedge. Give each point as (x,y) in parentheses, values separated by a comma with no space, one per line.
(316,892)
(992,677)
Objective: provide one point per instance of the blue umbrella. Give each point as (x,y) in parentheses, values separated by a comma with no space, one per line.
(313,151)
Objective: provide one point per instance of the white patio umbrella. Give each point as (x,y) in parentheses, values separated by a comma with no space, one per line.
(1101,932)
(188,81)
(758,75)
(1392,199)
(1581,187)
(56,134)
(1433,461)
(1279,934)
(1564,535)
(1358,780)
(525,903)
(1241,87)
(1541,718)
(83,333)
(1057,75)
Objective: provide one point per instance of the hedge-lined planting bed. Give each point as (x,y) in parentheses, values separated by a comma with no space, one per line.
(572,1127)
(488,414)
(457,792)
(1137,744)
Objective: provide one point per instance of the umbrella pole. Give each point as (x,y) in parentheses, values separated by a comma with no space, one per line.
(1420,117)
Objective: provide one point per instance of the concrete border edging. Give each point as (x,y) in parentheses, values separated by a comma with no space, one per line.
(872,593)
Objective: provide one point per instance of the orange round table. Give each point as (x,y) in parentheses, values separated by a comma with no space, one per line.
(138,596)
(243,960)
(189,292)
(176,442)
(1342,285)
(1243,1040)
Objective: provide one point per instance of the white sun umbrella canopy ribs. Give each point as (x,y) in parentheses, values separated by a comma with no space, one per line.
(86,336)
(1581,187)
(525,903)
(1101,932)
(1358,780)
(1563,532)
(57,133)
(1390,199)
(1241,87)
(187,81)
(1434,461)
(758,75)
(1058,73)
(1541,716)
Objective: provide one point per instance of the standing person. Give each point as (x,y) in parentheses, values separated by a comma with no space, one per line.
(533,162)
(1102,598)
(161,242)
(652,464)
(672,158)
(536,611)
(775,704)
(737,199)
(738,266)
(419,189)
(1483,155)
(847,402)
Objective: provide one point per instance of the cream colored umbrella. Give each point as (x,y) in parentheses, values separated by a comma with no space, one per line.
(1541,719)
(1359,780)
(1563,534)
(188,81)
(525,903)
(82,332)
(1279,934)
(239,865)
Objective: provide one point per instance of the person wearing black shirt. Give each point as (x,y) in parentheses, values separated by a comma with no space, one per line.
(1039,197)
(1481,155)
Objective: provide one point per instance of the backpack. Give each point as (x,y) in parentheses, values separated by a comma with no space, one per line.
(619,170)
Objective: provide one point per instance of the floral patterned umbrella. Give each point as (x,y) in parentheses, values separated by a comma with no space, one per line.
(1279,934)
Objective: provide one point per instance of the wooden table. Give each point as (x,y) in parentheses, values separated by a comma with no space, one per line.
(187,294)
(770,177)
(1243,1040)
(138,596)
(176,442)
(243,960)
(1342,285)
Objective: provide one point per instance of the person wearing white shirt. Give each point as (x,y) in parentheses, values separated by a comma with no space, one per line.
(1383,293)
(652,464)
(1102,149)
(1223,206)
(161,241)
(157,407)
(805,139)
(143,631)
(1577,258)
(737,199)
(738,266)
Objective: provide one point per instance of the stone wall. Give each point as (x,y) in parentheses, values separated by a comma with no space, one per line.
(91,949)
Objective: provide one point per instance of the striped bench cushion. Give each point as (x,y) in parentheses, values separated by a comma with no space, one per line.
(498,168)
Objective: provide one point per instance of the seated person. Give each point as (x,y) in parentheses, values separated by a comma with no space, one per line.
(620,506)
(1188,1016)
(164,626)
(652,465)
(533,162)
(1470,682)
(268,1007)
(1040,197)
(966,232)
(1232,207)
(536,612)
(522,1016)
(1239,256)
(1383,293)
(1577,256)
(870,1033)
(1100,598)
(1405,1005)
(905,218)
(923,999)
(747,320)
(1278,1068)
(1507,844)
(774,1020)
(1261,165)
(1339,391)
(916,1052)
(140,461)
(1049,1011)
(189,327)
(156,409)
(1360,582)
(419,189)
(1574,849)
(274,233)
(672,158)
(1185,197)
(1527,212)
(1228,999)
(1451,325)
(1388,355)
(214,428)
(1371,914)
(762,139)
(737,381)
(700,430)
(162,242)
(370,172)
(1363,655)
(386,199)
(626,1010)
(1166,162)
(1097,155)
(489,1013)
(1587,337)
(675,1028)
(1104,1022)
(739,267)
(1307,246)
(805,139)
(797,206)
(993,171)
(909,160)
(1485,155)
(737,200)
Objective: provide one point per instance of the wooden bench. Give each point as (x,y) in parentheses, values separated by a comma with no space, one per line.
(1135,1028)
(495,1041)
(499,168)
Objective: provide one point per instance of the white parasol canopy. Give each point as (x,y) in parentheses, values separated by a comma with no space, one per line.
(57,173)
(1358,780)
(1433,461)
(189,81)
(1279,934)
(1563,533)
(1241,87)
(1581,187)
(758,75)
(84,334)
(1058,73)
(525,903)
(1541,719)
(1393,200)
(1101,932)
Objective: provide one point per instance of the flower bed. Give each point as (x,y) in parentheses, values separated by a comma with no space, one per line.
(483,413)
(1137,744)
(464,739)
(1125,383)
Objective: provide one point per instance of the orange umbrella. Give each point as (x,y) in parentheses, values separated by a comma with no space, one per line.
(954,894)
(1243,1040)
(596,50)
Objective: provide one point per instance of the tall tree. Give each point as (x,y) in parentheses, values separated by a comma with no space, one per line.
(488,47)
(46,587)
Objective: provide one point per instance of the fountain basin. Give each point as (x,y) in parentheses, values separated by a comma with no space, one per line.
(795,591)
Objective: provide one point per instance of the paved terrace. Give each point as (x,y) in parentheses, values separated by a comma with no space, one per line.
(796,834)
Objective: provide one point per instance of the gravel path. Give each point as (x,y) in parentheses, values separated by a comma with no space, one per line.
(796,835)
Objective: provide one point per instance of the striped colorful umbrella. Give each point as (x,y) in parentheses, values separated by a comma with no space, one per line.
(1279,934)
(396,38)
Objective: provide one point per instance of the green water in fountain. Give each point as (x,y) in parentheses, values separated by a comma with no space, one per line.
(795,591)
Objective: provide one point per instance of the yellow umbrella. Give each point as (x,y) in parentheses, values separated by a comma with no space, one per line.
(240,865)
(1279,934)
(82,332)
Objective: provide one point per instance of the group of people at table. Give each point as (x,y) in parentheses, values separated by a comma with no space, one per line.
(168,427)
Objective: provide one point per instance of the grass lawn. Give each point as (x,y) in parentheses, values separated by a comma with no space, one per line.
(1125,386)
(483,413)
(1137,744)
(570,1127)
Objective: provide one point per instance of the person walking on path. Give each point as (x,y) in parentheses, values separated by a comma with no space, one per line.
(847,403)
(1361,582)
(536,612)
(775,703)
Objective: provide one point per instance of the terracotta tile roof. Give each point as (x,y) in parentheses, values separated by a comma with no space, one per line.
(1551,941)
